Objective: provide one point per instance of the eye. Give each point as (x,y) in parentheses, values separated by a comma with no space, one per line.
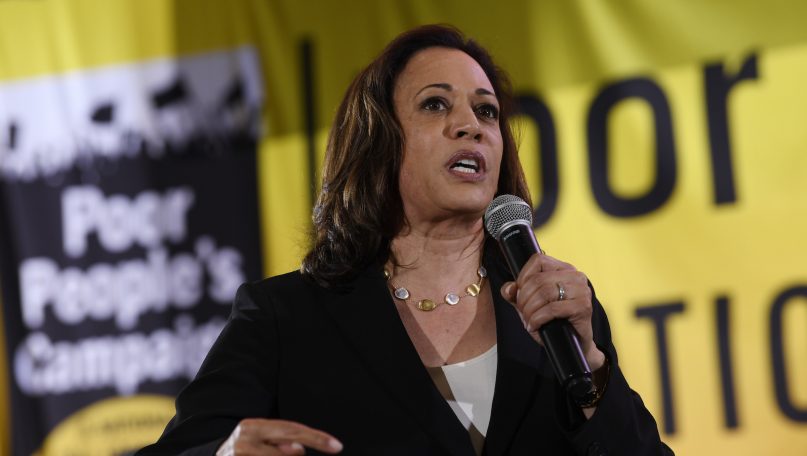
(487,111)
(434,104)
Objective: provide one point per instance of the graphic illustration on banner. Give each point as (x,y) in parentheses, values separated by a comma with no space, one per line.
(128,218)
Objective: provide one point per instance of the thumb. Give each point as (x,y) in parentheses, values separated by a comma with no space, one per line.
(509,292)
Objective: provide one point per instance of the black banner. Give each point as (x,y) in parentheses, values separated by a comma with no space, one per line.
(123,244)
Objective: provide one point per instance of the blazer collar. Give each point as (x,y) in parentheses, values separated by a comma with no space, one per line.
(521,361)
(368,319)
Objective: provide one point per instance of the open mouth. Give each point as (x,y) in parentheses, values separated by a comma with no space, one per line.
(467,163)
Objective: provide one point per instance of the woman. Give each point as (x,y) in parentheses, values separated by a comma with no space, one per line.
(404,333)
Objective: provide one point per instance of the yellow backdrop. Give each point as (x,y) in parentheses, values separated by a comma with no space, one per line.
(714,262)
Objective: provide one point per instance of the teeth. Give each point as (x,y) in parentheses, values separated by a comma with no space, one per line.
(466,165)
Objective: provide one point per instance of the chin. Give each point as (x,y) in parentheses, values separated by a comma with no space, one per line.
(471,204)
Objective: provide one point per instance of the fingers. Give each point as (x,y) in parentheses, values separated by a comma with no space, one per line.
(544,289)
(263,436)
(541,275)
(290,432)
(543,263)
(248,448)
(538,263)
(576,310)
(539,302)
(547,288)
(509,292)
(293,448)
(536,295)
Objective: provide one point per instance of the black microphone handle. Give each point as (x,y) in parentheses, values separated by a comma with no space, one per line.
(518,244)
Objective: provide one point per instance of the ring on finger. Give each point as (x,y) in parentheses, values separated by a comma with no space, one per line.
(561,292)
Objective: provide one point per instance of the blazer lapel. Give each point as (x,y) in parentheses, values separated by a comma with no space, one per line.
(520,362)
(367,318)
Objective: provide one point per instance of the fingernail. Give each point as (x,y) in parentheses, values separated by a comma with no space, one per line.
(296,446)
(335,445)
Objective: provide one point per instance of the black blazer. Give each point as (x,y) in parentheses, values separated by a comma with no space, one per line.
(342,362)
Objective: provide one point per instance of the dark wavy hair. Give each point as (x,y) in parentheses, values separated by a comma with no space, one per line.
(359,209)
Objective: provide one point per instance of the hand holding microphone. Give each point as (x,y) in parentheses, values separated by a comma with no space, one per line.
(552,297)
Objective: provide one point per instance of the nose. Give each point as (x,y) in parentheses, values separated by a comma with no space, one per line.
(465,124)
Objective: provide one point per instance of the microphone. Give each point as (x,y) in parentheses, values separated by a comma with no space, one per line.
(508,219)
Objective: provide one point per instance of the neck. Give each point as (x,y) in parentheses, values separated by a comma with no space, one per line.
(439,244)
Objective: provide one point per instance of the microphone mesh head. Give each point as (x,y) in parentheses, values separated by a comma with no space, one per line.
(504,209)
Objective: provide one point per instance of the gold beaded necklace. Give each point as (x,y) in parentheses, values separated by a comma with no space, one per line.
(451,298)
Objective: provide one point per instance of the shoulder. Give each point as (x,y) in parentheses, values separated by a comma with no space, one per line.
(279,287)
(295,292)
(289,280)
(293,286)
(273,297)
(296,282)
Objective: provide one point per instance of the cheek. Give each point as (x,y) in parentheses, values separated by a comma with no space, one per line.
(410,159)
(499,147)
(410,178)
(417,157)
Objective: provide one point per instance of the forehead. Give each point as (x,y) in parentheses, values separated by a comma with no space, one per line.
(442,65)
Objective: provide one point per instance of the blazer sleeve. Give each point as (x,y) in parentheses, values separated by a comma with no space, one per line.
(621,424)
(236,380)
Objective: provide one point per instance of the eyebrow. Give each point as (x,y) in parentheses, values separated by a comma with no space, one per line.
(447,87)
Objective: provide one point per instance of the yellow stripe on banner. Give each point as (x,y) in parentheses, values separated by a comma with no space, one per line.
(286,222)
(39,37)
(542,44)
(581,40)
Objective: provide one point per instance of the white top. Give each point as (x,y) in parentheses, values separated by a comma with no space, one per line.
(472,383)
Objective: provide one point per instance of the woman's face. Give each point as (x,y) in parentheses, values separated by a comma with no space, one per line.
(452,141)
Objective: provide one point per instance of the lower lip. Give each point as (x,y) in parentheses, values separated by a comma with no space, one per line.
(468,177)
